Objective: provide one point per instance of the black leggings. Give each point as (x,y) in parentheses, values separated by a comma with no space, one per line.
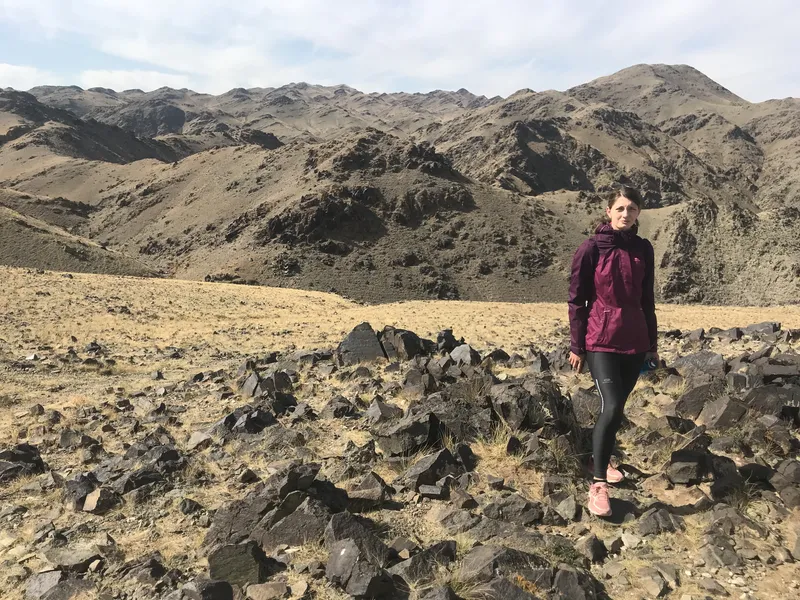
(615,376)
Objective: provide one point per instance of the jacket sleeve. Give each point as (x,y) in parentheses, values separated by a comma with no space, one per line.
(648,296)
(581,287)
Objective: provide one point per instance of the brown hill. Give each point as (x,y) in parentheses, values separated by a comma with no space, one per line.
(30,123)
(660,92)
(446,194)
(754,143)
(371,216)
(29,242)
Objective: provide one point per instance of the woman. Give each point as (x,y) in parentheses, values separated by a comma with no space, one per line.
(612,321)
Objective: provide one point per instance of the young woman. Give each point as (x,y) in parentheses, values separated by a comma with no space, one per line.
(612,321)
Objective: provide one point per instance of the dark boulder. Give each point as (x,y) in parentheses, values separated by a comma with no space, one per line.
(430,469)
(242,564)
(722,413)
(338,407)
(41,583)
(515,509)
(465,355)
(380,412)
(356,573)
(20,460)
(234,522)
(400,344)
(446,342)
(484,563)
(701,367)
(692,402)
(345,526)
(204,589)
(422,567)
(306,524)
(415,431)
(687,466)
(759,329)
(361,345)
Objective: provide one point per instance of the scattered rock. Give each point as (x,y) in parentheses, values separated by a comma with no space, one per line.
(652,582)
(422,567)
(204,589)
(21,460)
(361,345)
(268,591)
(100,501)
(242,564)
(41,583)
(199,441)
(592,548)
(356,573)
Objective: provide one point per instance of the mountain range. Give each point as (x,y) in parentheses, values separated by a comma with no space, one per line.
(385,197)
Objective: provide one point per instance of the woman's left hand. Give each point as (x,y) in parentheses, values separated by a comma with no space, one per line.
(654,357)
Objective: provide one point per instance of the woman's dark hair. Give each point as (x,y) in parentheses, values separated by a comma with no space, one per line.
(627,192)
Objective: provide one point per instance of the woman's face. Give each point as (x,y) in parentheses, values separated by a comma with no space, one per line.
(623,214)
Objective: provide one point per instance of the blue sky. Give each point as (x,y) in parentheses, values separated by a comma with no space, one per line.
(489,47)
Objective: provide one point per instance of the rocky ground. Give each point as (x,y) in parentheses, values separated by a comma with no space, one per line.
(248,462)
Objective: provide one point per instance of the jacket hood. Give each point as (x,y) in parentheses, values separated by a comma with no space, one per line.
(606,238)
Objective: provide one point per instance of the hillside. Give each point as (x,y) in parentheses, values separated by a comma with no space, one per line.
(386,197)
(25,240)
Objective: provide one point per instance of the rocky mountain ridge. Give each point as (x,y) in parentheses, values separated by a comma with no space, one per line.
(392,196)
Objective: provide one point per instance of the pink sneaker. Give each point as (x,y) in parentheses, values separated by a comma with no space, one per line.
(613,475)
(599,504)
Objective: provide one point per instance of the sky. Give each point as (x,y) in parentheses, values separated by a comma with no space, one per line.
(488,47)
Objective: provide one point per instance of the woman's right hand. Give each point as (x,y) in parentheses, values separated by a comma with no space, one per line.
(576,360)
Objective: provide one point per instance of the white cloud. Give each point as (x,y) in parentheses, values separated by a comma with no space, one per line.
(125,80)
(22,77)
(487,46)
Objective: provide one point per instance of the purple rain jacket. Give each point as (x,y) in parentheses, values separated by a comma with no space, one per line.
(611,299)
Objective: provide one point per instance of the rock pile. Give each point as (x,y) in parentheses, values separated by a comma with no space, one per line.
(711,440)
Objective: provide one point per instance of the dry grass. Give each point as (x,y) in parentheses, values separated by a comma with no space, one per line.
(245,319)
(493,459)
(465,585)
(462,584)
(169,533)
(312,551)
